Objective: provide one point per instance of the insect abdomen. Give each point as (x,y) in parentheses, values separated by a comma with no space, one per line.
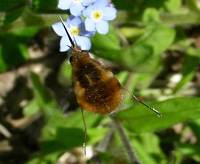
(96,88)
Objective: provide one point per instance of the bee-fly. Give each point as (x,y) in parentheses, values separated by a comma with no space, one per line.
(96,88)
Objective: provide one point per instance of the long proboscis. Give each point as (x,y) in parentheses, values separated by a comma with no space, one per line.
(70,39)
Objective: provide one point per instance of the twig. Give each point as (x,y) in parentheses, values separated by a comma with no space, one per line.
(102,146)
(125,140)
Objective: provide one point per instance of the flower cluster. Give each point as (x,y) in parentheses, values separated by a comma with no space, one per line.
(87,17)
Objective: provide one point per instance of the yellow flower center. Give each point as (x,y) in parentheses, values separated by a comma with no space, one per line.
(74,31)
(97,15)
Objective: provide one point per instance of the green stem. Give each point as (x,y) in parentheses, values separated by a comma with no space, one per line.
(181,19)
(126,142)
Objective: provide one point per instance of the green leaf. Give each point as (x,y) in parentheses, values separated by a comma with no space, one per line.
(26,32)
(137,6)
(148,49)
(193,5)
(12,52)
(65,74)
(139,119)
(190,151)
(46,103)
(96,135)
(157,36)
(9,5)
(173,5)
(131,32)
(3,65)
(43,6)
(153,3)
(64,139)
(195,126)
(63,132)
(123,5)
(106,42)
(42,101)
(148,149)
(31,109)
(178,156)
(40,91)
(188,71)
(151,15)
(24,50)
(57,119)
(145,53)
(13,15)
(192,51)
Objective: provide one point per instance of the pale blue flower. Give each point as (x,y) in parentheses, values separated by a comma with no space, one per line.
(75,6)
(97,16)
(76,29)
(88,2)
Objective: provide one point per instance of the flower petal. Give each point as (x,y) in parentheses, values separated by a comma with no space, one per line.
(64,44)
(83,42)
(84,32)
(109,13)
(74,21)
(75,9)
(101,3)
(64,4)
(87,12)
(59,29)
(102,27)
(89,24)
(87,2)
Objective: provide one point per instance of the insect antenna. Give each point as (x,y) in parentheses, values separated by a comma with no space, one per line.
(85,132)
(70,39)
(141,102)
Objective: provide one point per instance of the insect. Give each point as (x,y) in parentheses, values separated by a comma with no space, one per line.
(96,88)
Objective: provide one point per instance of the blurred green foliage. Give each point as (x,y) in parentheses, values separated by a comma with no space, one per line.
(139,41)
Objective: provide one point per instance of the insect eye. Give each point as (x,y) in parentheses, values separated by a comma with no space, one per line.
(71,59)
